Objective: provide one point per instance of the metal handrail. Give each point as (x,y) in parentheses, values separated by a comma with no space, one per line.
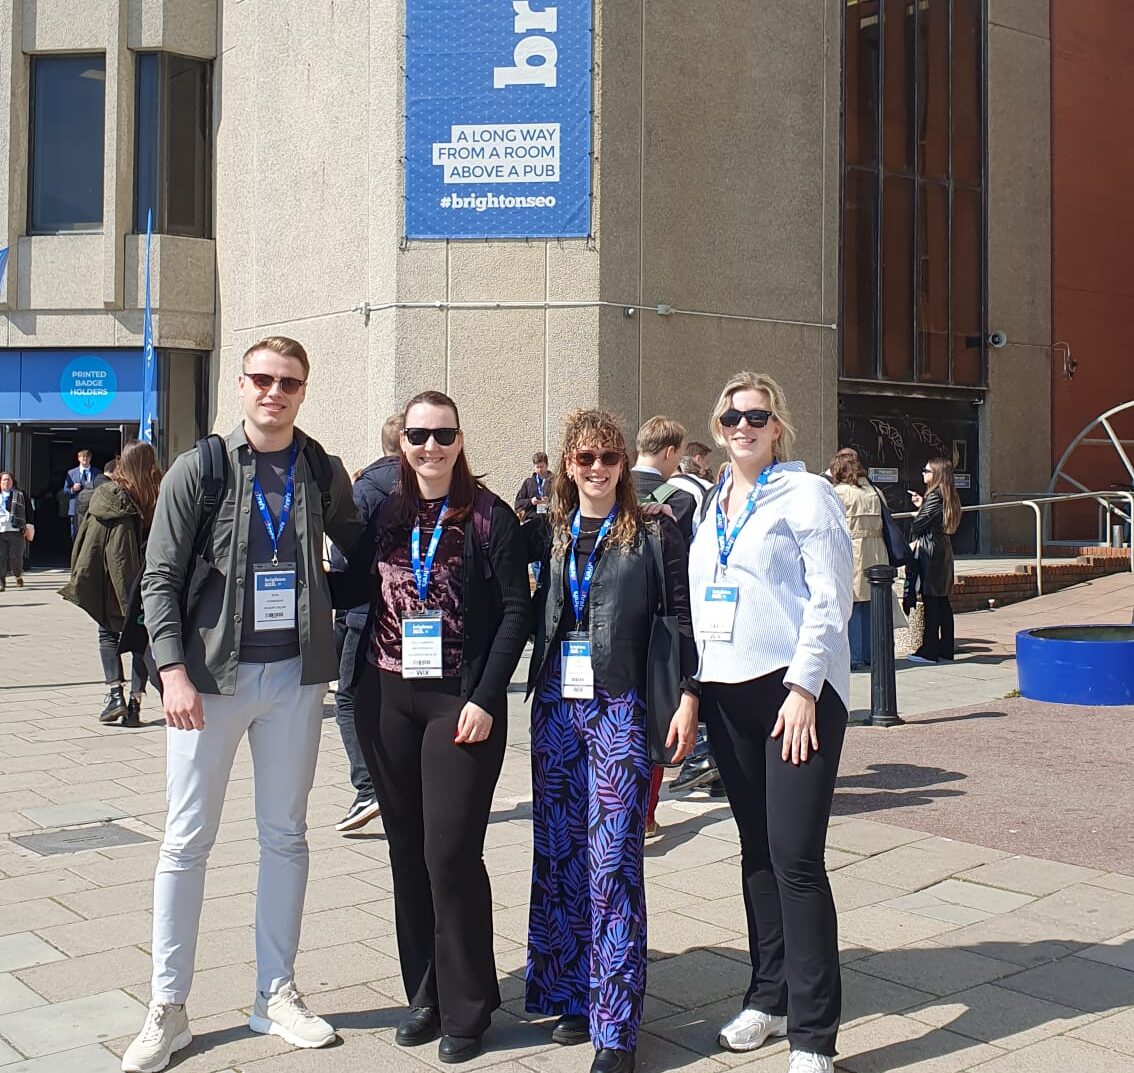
(1035,505)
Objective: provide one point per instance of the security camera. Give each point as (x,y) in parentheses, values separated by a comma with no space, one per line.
(997,339)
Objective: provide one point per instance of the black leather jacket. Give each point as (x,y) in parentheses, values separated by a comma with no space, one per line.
(620,610)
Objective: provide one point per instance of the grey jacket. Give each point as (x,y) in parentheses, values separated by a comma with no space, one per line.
(209,645)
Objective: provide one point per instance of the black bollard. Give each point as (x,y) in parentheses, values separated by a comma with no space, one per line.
(883,685)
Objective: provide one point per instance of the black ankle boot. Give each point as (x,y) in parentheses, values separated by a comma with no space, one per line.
(419,1026)
(570,1029)
(115,706)
(459,1048)
(609,1060)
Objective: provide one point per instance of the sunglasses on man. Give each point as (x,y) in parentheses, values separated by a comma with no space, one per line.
(289,385)
(419,437)
(755,418)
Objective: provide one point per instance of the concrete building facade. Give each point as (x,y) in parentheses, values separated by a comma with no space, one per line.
(717,214)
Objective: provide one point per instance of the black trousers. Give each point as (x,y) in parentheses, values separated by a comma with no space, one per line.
(112,662)
(782,813)
(435,797)
(347,640)
(938,641)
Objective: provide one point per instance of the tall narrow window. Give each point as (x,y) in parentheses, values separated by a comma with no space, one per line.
(914,139)
(173,145)
(68,122)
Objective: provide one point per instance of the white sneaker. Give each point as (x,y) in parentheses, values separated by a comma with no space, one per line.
(166,1031)
(749,1029)
(285,1015)
(809,1062)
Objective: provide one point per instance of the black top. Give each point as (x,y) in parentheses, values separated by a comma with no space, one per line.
(495,613)
(934,548)
(618,585)
(268,646)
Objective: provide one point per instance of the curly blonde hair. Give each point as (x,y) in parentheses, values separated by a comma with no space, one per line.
(777,403)
(586,428)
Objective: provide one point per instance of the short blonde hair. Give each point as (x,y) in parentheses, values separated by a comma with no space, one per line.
(659,433)
(282,345)
(747,381)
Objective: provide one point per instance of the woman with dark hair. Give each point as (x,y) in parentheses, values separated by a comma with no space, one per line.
(13,519)
(447,625)
(937,518)
(106,559)
(863,505)
(603,566)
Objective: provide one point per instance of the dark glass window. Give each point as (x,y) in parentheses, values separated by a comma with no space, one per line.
(914,140)
(68,122)
(173,145)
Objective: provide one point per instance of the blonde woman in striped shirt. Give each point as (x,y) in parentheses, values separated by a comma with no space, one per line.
(770,574)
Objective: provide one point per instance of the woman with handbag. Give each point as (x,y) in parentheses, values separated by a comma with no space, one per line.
(770,573)
(937,518)
(863,505)
(13,522)
(595,609)
(107,559)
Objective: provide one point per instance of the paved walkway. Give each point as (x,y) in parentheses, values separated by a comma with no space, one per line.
(959,954)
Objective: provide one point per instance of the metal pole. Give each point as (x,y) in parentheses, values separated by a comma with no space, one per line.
(883,684)
(1039,546)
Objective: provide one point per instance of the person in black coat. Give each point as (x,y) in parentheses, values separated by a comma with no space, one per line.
(372,487)
(534,492)
(448,620)
(938,515)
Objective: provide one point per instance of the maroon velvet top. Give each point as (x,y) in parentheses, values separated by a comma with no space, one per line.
(399,593)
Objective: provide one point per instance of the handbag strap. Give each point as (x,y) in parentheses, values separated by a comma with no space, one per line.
(653,542)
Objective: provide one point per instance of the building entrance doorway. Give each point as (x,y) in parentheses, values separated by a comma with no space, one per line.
(40,456)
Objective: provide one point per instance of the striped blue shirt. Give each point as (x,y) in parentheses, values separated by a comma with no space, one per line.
(793,566)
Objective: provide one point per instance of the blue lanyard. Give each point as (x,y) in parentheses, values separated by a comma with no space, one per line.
(539,483)
(422,570)
(725,544)
(274,533)
(580,592)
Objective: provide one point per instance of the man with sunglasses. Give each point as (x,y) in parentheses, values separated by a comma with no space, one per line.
(252,654)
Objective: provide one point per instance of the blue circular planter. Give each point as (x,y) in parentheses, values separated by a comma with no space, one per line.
(1077,664)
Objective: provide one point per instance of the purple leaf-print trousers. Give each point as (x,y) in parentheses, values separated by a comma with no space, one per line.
(587,926)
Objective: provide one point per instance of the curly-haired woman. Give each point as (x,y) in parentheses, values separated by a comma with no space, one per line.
(602,568)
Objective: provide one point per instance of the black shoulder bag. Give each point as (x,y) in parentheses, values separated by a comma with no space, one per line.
(663,664)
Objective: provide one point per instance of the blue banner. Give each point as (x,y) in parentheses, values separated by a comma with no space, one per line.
(147,420)
(70,386)
(498,118)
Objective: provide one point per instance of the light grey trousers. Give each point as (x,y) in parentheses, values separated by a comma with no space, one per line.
(282,720)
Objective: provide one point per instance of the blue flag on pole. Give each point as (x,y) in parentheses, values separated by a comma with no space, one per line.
(3,264)
(148,419)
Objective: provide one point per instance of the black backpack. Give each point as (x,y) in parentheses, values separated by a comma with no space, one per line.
(212,478)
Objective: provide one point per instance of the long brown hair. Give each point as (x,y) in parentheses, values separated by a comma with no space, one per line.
(462,488)
(941,481)
(600,429)
(136,472)
(846,467)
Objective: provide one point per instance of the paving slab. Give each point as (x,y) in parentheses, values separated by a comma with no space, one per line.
(90,1059)
(1118,951)
(938,969)
(1028,875)
(15,995)
(1115,1033)
(1061,1055)
(994,1014)
(23,949)
(896,1042)
(1084,985)
(63,1026)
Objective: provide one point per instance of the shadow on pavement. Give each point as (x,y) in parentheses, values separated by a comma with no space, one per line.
(957,718)
(894,786)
